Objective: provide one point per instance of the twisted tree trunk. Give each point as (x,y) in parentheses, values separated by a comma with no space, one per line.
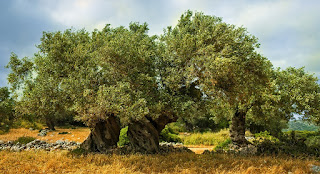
(144,134)
(50,123)
(103,136)
(238,128)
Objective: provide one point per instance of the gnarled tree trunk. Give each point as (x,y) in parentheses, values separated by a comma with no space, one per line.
(238,128)
(50,123)
(103,136)
(144,134)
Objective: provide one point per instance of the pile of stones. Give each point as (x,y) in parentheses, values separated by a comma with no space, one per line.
(38,145)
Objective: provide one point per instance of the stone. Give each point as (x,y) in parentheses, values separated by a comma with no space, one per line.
(60,142)
(43,132)
(314,168)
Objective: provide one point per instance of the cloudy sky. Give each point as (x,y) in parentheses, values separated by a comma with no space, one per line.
(288,30)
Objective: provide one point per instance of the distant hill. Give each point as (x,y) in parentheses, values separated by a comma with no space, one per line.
(299,125)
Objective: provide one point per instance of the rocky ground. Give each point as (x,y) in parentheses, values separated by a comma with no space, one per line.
(38,145)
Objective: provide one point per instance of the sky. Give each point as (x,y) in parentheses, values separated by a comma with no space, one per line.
(288,30)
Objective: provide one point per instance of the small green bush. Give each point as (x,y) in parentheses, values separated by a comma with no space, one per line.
(262,136)
(24,123)
(63,132)
(313,141)
(24,140)
(223,145)
(123,138)
(168,135)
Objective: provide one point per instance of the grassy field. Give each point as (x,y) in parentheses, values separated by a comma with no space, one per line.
(78,135)
(64,162)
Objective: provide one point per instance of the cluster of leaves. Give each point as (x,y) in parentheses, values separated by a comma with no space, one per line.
(299,125)
(291,144)
(6,110)
(169,135)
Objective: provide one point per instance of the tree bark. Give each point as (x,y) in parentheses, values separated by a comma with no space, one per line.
(104,136)
(237,128)
(144,134)
(50,124)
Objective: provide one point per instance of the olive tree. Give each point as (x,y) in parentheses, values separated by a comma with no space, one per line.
(222,60)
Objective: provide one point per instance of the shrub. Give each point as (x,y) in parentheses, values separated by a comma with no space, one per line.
(63,132)
(24,140)
(123,138)
(262,136)
(313,141)
(168,135)
(289,144)
(223,145)
(24,123)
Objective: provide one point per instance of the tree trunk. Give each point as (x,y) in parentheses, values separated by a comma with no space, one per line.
(237,128)
(50,124)
(144,134)
(103,136)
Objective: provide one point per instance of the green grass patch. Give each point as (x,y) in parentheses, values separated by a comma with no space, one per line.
(207,138)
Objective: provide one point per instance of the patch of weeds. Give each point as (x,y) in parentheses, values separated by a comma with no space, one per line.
(169,135)
(78,152)
(123,138)
(223,145)
(24,140)
(63,132)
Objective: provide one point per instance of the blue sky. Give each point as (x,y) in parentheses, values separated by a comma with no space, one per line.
(288,30)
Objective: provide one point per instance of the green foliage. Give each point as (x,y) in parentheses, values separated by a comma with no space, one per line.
(24,140)
(63,132)
(313,141)
(263,136)
(207,138)
(177,126)
(27,123)
(301,143)
(123,138)
(169,135)
(7,114)
(300,125)
(223,145)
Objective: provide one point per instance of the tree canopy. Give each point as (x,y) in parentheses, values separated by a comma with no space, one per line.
(202,66)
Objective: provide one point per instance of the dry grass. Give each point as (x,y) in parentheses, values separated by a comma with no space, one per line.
(78,135)
(62,162)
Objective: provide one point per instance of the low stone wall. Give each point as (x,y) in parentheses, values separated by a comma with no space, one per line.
(38,145)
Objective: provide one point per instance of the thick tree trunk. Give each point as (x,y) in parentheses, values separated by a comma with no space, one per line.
(144,137)
(144,134)
(237,128)
(103,136)
(50,124)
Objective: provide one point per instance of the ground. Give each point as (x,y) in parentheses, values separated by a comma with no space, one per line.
(64,162)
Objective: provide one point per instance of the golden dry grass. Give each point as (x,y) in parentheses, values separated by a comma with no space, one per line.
(62,162)
(78,135)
